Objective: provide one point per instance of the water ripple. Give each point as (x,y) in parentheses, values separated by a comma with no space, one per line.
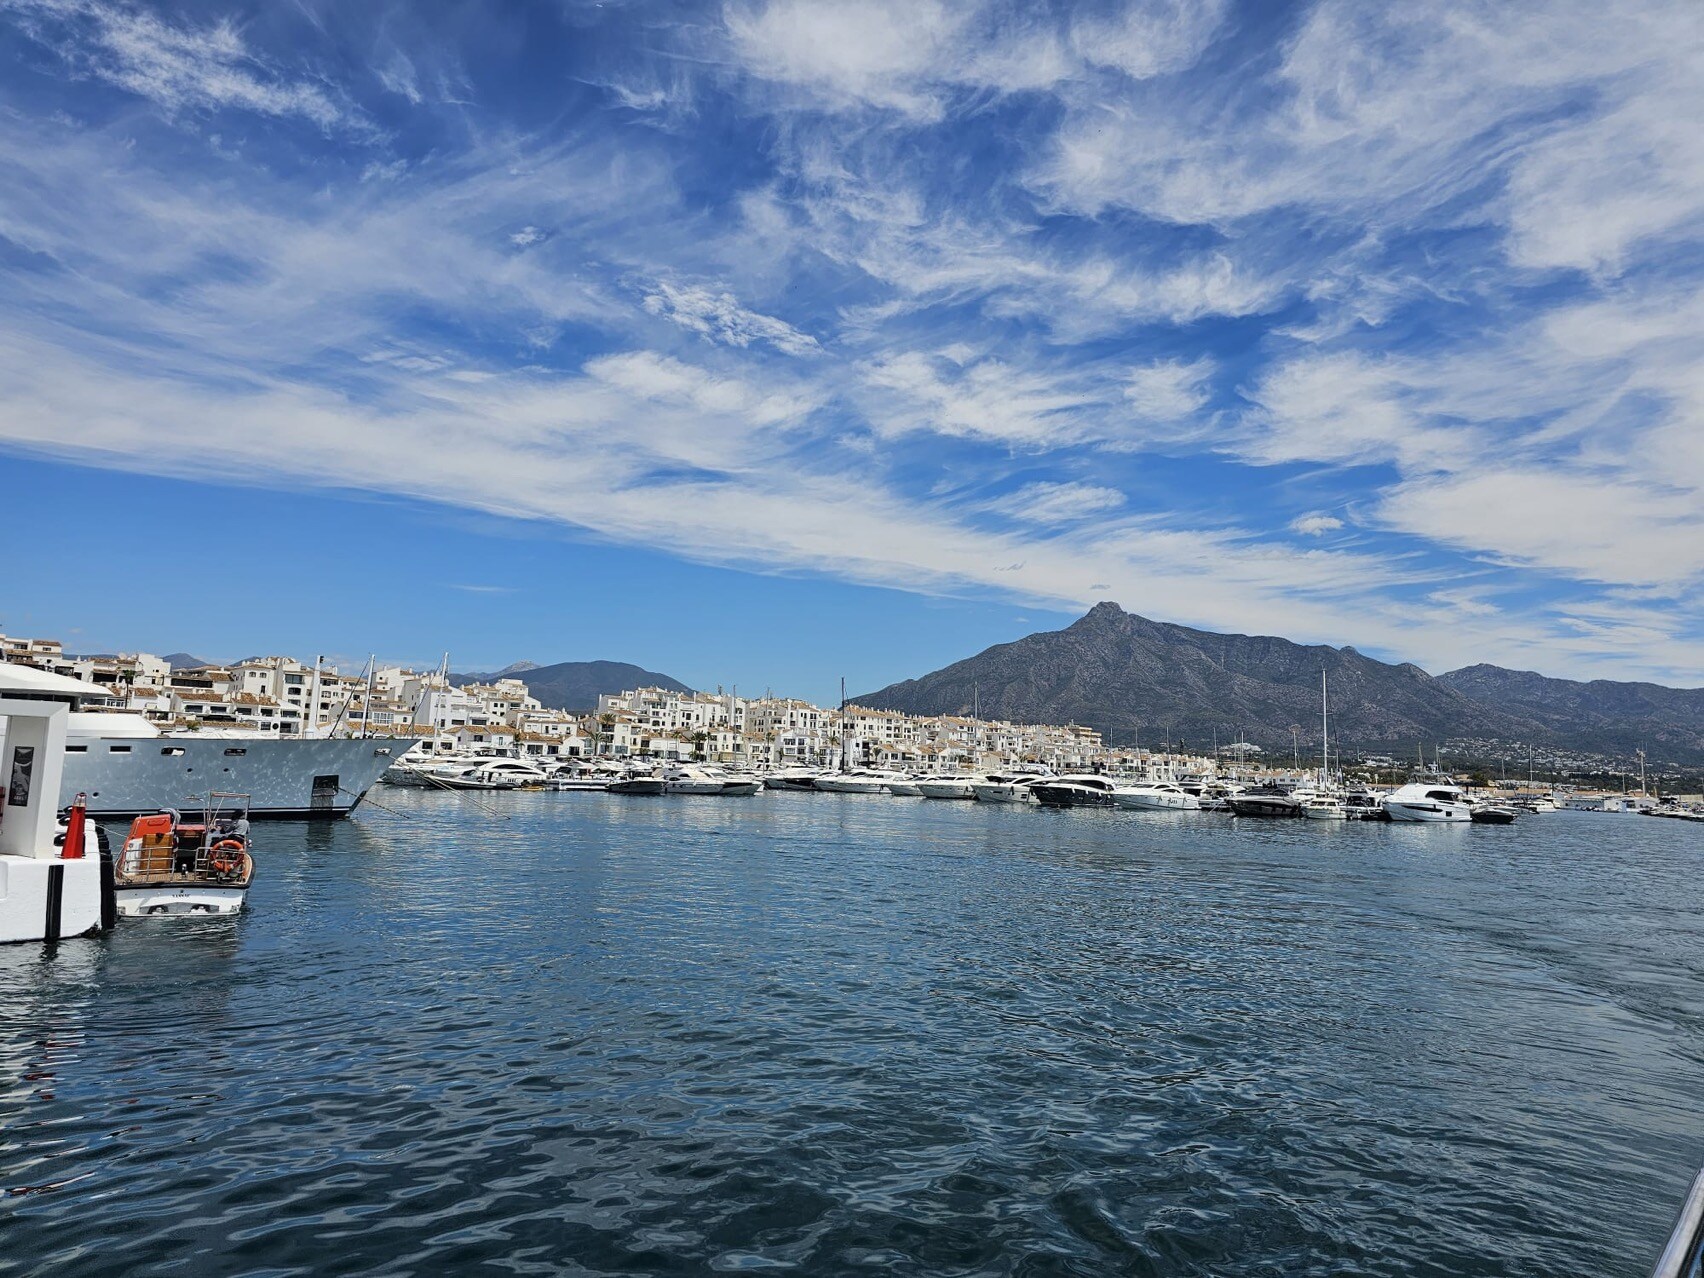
(840,1034)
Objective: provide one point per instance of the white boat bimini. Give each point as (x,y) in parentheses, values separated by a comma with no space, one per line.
(1431,801)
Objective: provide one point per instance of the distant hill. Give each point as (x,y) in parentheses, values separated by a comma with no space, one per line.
(185,661)
(1118,672)
(1115,670)
(1623,717)
(576,685)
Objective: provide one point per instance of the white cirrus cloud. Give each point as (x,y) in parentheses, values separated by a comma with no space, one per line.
(1048,504)
(177,66)
(720,317)
(1316,524)
(1168,390)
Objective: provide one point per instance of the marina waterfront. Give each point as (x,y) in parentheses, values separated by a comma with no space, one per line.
(584,1033)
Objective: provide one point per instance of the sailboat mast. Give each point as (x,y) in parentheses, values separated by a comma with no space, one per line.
(1324,735)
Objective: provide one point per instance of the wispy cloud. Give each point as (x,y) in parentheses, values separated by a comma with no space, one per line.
(804,283)
(720,317)
(179,67)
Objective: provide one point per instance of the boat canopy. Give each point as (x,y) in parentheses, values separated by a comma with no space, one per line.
(28,682)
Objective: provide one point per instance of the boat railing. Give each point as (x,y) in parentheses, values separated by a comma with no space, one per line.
(1684,1255)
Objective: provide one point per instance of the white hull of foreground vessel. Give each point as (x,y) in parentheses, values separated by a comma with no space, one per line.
(44,899)
(164,899)
(287,777)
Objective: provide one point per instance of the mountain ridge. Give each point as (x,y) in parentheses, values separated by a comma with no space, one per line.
(1127,675)
(575,685)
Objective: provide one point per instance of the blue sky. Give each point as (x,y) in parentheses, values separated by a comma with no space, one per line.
(766,341)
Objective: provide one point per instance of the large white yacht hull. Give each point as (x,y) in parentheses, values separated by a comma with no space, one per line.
(284,776)
(1435,813)
(1148,802)
(947,789)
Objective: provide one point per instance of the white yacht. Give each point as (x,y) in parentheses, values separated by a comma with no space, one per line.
(862,781)
(697,778)
(1008,787)
(1428,801)
(1075,790)
(127,767)
(585,775)
(1322,805)
(1158,796)
(949,787)
(791,779)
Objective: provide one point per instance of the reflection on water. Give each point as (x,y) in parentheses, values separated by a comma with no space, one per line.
(848,1033)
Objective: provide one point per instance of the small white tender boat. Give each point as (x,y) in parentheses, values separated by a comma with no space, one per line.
(173,867)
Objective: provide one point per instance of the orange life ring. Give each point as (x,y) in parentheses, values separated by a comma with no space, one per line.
(232,859)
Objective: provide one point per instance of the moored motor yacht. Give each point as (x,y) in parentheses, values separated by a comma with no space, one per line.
(582,775)
(1322,805)
(1491,813)
(1266,801)
(638,783)
(949,787)
(1428,801)
(1075,790)
(905,788)
(1363,804)
(791,779)
(861,781)
(1157,796)
(1008,787)
(170,866)
(698,778)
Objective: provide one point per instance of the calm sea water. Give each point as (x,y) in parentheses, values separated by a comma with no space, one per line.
(847,1034)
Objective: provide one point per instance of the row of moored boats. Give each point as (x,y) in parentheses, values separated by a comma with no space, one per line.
(1435,799)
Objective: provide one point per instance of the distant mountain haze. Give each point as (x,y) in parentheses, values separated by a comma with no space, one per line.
(576,685)
(1621,717)
(1126,675)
